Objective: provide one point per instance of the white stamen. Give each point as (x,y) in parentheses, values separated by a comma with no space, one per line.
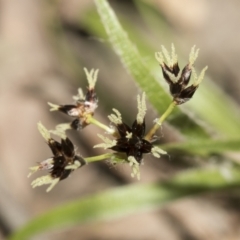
(129,135)
(156,151)
(135,167)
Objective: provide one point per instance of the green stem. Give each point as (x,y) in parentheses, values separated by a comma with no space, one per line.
(159,122)
(99,124)
(98,158)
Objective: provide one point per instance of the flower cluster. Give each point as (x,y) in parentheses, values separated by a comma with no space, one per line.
(60,165)
(84,107)
(130,140)
(178,80)
(128,143)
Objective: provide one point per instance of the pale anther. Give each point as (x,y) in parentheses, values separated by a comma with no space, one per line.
(135,167)
(157,152)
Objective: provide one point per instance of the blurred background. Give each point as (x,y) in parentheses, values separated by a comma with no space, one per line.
(44,46)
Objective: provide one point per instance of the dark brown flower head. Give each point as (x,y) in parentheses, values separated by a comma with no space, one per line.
(84,107)
(63,156)
(61,164)
(130,140)
(177,79)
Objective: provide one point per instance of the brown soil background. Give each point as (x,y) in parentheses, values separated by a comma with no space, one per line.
(36,67)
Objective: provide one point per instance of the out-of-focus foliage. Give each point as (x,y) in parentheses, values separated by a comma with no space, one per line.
(215,109)
(127,200)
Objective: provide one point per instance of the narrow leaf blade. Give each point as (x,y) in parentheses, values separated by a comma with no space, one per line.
(128,200)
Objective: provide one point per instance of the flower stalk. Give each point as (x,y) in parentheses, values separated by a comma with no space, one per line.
(159,121)
(94,121)
(99,157)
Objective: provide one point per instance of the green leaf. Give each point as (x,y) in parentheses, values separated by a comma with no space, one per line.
(204,147)
(128,200)
(133,62)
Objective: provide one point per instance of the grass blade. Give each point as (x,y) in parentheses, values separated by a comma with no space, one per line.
(128,200)
(204,147)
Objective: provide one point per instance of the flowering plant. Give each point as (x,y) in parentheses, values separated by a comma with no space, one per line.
(129,143)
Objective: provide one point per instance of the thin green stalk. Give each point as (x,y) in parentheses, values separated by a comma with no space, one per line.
(99,157)
(99,124)
(159,121)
